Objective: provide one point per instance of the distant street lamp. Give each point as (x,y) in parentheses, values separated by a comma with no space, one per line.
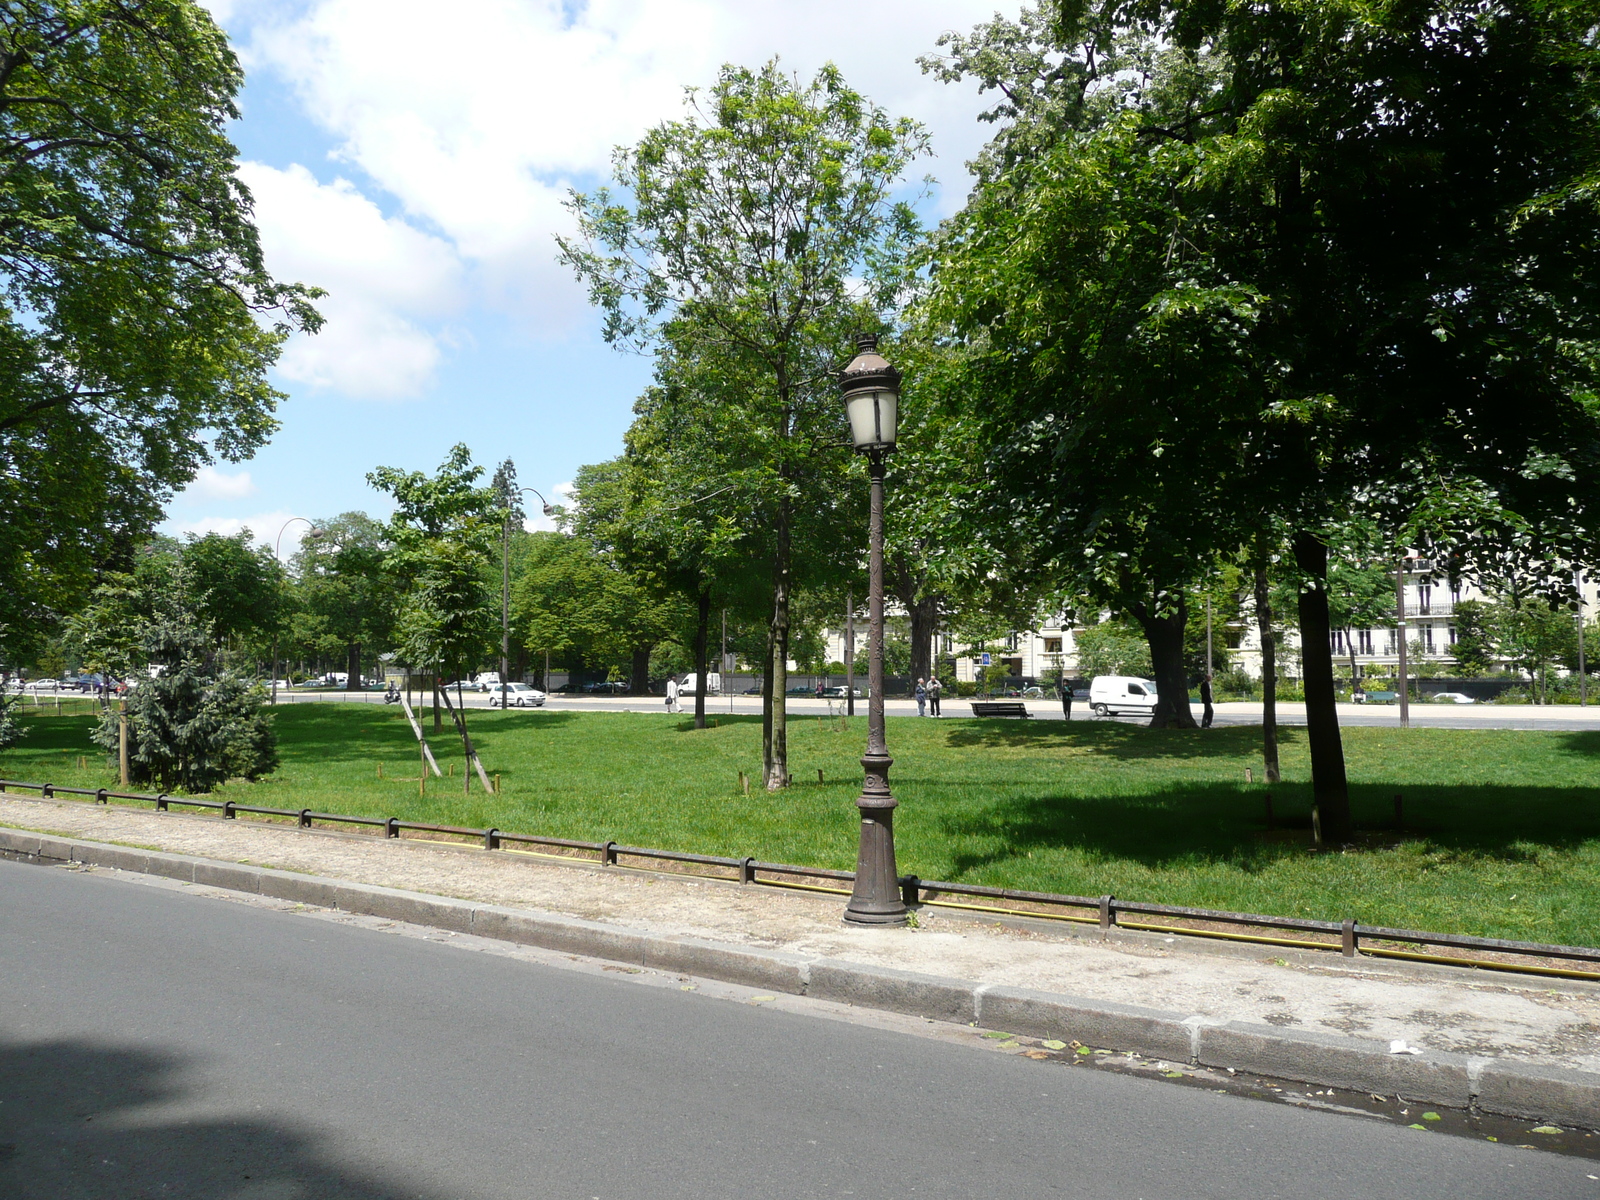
(871,390)
(277,548)
(513,508)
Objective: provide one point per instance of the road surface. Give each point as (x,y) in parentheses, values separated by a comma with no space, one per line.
(155,1042)
(1445,716)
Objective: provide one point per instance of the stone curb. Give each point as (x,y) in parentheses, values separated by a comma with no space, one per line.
(1503,1086)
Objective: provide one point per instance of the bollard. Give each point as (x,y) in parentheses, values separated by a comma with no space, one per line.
(1271,824)
(1347,938)
(1108,918)
(1399,822)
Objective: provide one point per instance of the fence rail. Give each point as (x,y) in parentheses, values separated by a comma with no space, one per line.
(1349,937)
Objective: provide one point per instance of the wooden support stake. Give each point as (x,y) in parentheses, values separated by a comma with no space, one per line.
(819,774)
(1316,826)
(380,770)
(450,770)
(497,783)
(744,783)
(1248,777)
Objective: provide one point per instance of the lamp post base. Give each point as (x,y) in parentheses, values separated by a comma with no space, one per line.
(876,899)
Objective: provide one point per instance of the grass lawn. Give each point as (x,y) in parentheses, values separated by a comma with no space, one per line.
(1503,827)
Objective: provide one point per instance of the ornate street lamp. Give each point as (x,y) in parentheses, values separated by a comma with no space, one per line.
(871,390)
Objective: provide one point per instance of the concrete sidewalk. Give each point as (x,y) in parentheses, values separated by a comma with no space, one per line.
(1279,1009)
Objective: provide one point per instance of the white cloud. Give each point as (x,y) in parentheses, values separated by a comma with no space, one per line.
(267,529)
(478,122)
(212,484)
(391,287)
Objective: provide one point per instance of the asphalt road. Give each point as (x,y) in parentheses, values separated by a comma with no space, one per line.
(159,1043)
(1441,716)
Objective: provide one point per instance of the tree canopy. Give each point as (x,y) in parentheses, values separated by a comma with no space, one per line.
(137,318)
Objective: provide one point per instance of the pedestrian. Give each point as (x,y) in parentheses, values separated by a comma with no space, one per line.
(672,694)
(1205,699)
(1066,699)
(821,691)
(935,688)
(922,697)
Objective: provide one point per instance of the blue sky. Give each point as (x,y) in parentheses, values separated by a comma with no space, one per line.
(411,159)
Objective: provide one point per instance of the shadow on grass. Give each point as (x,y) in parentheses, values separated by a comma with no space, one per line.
(1116,740)
(1223,823)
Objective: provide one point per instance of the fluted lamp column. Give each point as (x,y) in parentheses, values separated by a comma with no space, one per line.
(872,402)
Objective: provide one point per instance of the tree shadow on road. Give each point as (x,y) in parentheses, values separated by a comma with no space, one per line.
(92,1121)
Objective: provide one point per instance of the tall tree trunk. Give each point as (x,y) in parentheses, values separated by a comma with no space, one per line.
(353,665)
(701,632)
(922,615)
(1165,637)
(774,727)
(639,674)
(1330,789)
(1269,678)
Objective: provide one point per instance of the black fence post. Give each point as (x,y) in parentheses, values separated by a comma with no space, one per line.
(1347,938)
(491,839)
(100,796)
(391,827)
(1108,916)
(305,818)
(161,802)
(747,871)
(227,811)
(608,854)
(910,890)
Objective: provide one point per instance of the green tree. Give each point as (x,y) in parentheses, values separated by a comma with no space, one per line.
(1474,645)
(758,235)
(442,538)
(1112,648)
(1531,635)
(345,593)
(1272,276)
(137,318)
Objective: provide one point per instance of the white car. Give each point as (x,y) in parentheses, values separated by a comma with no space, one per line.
(42,685)
(1452,698)
(517,695)
(1113,694)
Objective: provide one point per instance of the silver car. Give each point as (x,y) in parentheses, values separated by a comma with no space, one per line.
(516,695)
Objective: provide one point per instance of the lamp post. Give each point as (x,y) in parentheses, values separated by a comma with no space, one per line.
(277,549)
(871,390)
(513,508)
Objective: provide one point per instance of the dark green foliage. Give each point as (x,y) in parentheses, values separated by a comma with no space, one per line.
(190,727)
(132,288)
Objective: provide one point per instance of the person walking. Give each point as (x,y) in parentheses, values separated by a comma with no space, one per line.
(672,694)
(1205,699)
(1066,699)
(934,690)
(922,697)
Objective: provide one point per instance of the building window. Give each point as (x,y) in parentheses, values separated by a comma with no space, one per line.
(1451,634)
(1052,645)
(1427,638)
(1424,598)
(1338,641)
(1363,641)
(1011,641)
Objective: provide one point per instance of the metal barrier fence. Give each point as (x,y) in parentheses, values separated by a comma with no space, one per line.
(1349,937)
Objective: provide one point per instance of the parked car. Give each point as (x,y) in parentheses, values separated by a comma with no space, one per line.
(517,695)
(691,684)
(837,692)
(42,685)
(606,687)
(462,685)
(1113,694)
(1454,697)
(802,689)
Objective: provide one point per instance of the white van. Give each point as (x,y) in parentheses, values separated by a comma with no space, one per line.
(691,684)
(1113,694)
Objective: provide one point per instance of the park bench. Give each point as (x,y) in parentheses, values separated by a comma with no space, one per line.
(1381,697)
(1000,708)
